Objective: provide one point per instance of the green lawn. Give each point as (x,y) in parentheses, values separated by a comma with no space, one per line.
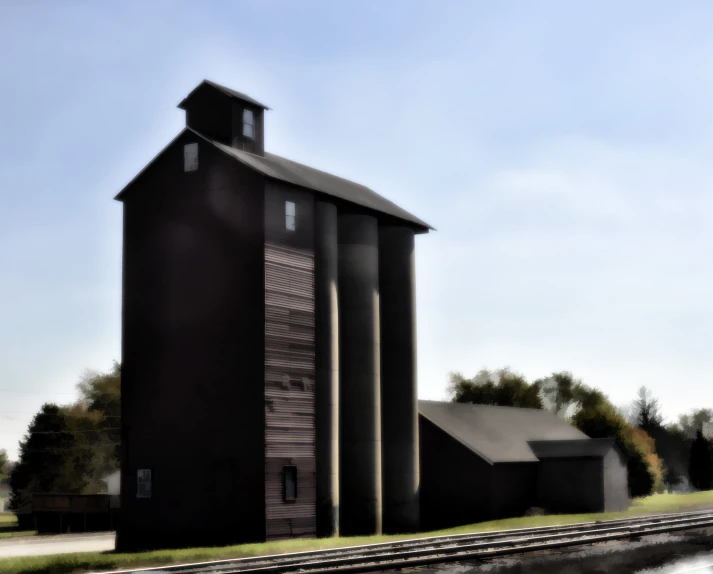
(62,564)
(8,526)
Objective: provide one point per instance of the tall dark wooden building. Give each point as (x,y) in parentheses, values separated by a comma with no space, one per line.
(268,348)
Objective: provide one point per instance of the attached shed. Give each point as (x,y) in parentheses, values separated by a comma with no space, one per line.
(581,475)
(478,463)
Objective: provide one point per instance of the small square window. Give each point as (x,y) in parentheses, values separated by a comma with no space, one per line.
(190,157)
(289,475)
(248,124)
(143,483)
(290,223)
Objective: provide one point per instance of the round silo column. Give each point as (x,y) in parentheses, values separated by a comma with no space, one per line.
(326,255)
(399,399)
(359,394)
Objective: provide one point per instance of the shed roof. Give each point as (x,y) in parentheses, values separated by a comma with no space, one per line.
(227,91)
(499,434)
(276,167)
(591,447)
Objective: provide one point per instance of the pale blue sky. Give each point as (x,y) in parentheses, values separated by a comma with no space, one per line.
(562,150)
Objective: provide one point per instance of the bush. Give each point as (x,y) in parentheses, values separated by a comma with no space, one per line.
(599,419)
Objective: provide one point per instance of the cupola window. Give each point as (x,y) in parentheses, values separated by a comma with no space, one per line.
(248,124)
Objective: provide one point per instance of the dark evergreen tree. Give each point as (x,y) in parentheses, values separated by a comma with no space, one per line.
(699,466)
(43,453)
(646,411)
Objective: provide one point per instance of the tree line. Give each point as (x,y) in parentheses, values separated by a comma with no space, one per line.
(68,449)
(659,456)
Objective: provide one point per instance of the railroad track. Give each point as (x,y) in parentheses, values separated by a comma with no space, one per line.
(449,548)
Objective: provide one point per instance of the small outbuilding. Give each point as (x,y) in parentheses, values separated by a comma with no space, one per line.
(483,462)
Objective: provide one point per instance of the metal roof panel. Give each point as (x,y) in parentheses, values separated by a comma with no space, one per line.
(499,434)
(277,167)
(227,91)
(591,447)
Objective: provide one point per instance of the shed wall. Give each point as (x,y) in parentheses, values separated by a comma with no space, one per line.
(455,482)
(616,481)
(513,488)
(192,365)
(571,485)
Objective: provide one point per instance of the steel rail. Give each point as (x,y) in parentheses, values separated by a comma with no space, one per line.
(215,565)
(443,552)
(413,551)
(397,563)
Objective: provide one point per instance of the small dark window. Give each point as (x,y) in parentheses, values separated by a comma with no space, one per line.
(248,124)
(290,214)
(290,477)
(143,480)
(190,157)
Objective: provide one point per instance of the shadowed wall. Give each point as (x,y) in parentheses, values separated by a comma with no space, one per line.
(192,365)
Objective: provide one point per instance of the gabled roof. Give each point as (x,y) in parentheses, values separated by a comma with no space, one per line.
(279,168)
(499,434)
(226,91)
(591,447)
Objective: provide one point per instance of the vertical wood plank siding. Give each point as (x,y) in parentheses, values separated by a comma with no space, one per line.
(289,390)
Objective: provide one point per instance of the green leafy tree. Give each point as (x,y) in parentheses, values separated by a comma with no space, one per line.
(3,464)
(501,388)
(5,470)
(69,449)
(598,418)
(673,446)
(699,468)
(558,392)
(602,421)
(100,397)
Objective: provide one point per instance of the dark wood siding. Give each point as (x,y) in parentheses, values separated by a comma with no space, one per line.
(571,485)
(289,363)
(458,487)
(209,113)
(455,482)
(513,489)
(192,353)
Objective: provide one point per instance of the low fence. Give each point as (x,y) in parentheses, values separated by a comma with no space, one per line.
(67,513)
